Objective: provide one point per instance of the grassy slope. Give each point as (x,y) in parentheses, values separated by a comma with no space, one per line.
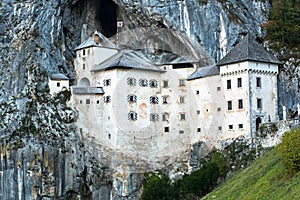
(264,179)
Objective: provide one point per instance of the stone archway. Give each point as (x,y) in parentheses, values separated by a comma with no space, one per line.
(257,122)
(84,82)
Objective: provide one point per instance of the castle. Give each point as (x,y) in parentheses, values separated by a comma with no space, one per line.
(127,103)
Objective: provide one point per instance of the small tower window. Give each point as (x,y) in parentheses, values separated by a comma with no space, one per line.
(228,84)
(198,112)
(58,84)
(83,66)
(239,82)
(240,104)
(198,130)
(83,52)
(107,99)
(107,82)
(167,129)
(88,101)
(229,105)
(259,104)
(230,127)
(218,88)
(258,82)
(219,109)
(182,116)
(241,126)
(219,128)
(197,92)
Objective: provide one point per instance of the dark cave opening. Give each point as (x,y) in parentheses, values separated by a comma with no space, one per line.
(107,13)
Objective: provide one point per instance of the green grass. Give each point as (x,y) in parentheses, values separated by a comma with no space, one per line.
(266,179)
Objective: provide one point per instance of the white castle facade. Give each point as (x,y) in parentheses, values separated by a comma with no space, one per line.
(131,105)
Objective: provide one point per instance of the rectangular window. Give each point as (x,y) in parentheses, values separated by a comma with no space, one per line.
(131,81)
(107,99)
(229,105)
(153,100)
(165,99)
(240,104)
(88,101)
(198,112)
(181,99)
(259,104)
(198,130)
(153,83)
(219,109)
(167,129)
(154,117)
(181,82)
(239,82)
(98,101)
(80,102)
(258,82)
(230,127)
(197,92)
(218,88)
(83,52)
(58,84)
(143,82)
(181,132)
(241,126)
(83,66)
(165,117)
(219,128)
(228,84)
(182,116)
(165,84)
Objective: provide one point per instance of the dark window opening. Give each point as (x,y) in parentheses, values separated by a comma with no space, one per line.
(199,130)
(258,82)
(241,126)
(229,105)
(241,104)
(167,129)
(181,132)
(259,104)
(239,82)
(197,92)
(230,127)
(182,116)
(165,84)
(88,101)
(58,84)
(228,84)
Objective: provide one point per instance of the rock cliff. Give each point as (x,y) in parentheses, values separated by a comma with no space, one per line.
(41,154)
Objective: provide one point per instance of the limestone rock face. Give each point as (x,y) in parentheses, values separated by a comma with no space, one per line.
(42,156)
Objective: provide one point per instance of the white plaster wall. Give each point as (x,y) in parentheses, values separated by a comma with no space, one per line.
(53,85)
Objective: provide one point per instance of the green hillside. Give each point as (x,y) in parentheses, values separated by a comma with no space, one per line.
(266,178)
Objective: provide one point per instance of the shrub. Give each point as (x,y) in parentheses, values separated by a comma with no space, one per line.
(289,151)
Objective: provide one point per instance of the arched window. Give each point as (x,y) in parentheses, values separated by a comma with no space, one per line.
(84,82)
(153,100)
(143,82)
(153,83)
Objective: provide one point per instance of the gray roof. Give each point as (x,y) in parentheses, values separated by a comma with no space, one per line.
(87,90)
(204,72)
(58,76)
(248,49)
(104,42)
(127,59)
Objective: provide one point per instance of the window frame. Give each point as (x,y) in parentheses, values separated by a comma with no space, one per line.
(258,82)
(259,103)
(229,103)
(240,104)
(228,84)
(239,83)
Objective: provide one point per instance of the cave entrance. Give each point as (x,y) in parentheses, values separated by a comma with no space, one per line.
(108,14)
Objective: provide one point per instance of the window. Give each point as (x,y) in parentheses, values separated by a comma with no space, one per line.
(181,99)
(83,66)
(182,116)
(107,82)
(97,101)
(109,136)
(80,101)
(165,117)
(132,98)
(143,82)
(198,112)
(259,104)
(153,83)
(229,105)
(131,81)
(197,92)
(106,99)
(181,82)
(219,109)
(167,129)
(240,104)
(154,117)
(258,82)
(239,82)
(228,84)
(132,116)
(58,84)
(230,127)
(83,52)
(88,101)
(165,84)
(219,128)
(218,88)
(153,100)
(181,132)
(241,126)
(198,130)
(165,99)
